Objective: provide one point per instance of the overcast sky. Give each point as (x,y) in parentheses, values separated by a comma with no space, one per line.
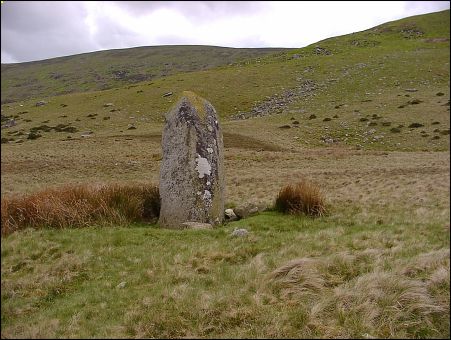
(35,30)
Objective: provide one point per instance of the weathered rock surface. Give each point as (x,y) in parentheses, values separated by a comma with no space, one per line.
(246,210)
(230,215)
(192,172)
(278,102)
(41,102)
(9,123)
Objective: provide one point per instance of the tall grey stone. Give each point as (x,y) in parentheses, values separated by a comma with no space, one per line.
(192,172)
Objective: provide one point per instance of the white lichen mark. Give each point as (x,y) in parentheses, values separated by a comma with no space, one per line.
(202,167)
(207,195)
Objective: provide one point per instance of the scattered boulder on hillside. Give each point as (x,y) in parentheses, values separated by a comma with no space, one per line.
(9,123)
(108,104)
(192,170)
(167,94)
(321,51)
(410,90)
(41,103)
(278,102)
(415,125)
(411,31)
(410,102)
(328,140)
(34,135)
(414,101)
(86,134)
(119,74)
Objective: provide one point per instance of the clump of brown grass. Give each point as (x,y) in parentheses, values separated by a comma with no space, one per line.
(304,197)
(81,205)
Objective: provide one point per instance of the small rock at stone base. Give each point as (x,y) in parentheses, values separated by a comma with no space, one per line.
(121,285)
(245,211)
(230,215)
(239,233)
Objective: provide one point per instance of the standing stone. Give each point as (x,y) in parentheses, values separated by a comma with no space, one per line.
(192,174)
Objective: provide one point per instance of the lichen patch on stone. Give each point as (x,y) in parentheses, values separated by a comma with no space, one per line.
(203,167)
(197,102)
(207,195)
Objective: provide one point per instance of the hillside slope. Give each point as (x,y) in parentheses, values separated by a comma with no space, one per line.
(384,88)
(113,68)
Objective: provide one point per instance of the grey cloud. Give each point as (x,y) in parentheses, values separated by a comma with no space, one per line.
(112,34)
(171,39)
(29,16)
(39,30)
(194,10)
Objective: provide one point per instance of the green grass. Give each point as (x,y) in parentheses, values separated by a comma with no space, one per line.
(209,284)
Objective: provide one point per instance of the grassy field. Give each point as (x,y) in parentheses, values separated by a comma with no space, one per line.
(375,266)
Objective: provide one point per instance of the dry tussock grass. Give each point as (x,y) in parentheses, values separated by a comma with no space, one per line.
(304,197)
(79,206)
(371,299)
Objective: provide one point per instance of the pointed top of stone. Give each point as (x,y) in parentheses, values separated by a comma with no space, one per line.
(195,101)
